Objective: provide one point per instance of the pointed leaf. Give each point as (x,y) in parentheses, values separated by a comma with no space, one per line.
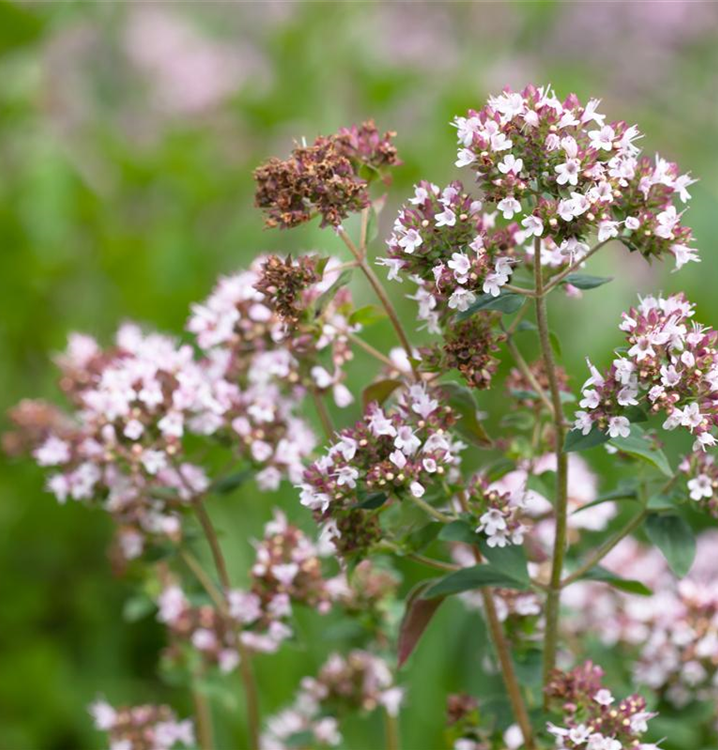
(225,485)
(379,391)
(417,616)
(458,531)
(506,302)
(468,579)
(638,446)
(577,441)
(461,400)
(367,315)
(622,584)
(675,539)
(510,560)
(586,281)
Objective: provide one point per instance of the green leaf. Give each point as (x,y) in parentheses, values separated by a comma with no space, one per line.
(637,445)
(675,539)
(468,579)
(18,26)
(625,493)
(417,616)
(661,503)
(372,501)
(324,298)
(555,344)
(379,391)
(422,537)
(635,414)
(622,584)
(366,316)
(225,485)
(526,325)
(458,531)
(461,400)
(586,281)
(137,607)
(506,302)
(510,560)
(577,441)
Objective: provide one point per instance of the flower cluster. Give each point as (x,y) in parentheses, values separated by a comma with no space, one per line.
(671,637)
(360,681)
(592,719)
(702,483)
(671,366)
(142,727)
(499,513)
(444,243)
(283,280)
(467,347)
(406,449)
(242,328)
(329,178)
(123,444)
(570,174)
(287,571)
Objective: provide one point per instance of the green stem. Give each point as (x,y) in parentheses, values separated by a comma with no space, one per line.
(203,720)
(605,548)
(380,292)
(553,597)
(391,731)
(245,664)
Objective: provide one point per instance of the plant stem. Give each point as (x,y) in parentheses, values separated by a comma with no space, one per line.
(553,597)
(513,689)
(380,292)
(526,372)
(605,548)
(371,350)
(323,413)
(203,716)
(519,290)
(433,512)
(391,731)
(556,280)
(498,637)
(245,665)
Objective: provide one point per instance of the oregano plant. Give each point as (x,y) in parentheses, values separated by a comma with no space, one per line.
(511,519)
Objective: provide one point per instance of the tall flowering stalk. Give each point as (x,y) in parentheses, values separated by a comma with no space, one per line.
(150,418)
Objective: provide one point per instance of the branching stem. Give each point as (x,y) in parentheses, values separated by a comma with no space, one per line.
(245,665)
(553,596)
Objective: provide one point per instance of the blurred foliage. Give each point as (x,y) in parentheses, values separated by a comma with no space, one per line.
(127,138)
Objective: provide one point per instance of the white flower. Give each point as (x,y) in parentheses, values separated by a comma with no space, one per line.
(52,452)
(533,225)
(602,139)
(700,487)
(460,265)
(447,218)
(492,522)
(603,697)
(568,172)
(607,230)
(583,422)
(417,490)
(461,299)
(511,164)
(411,240)
(406,441)
(465,156)
(508,206)
(619,427)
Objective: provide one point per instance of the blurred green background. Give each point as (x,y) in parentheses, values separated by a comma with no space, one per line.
(128,133)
